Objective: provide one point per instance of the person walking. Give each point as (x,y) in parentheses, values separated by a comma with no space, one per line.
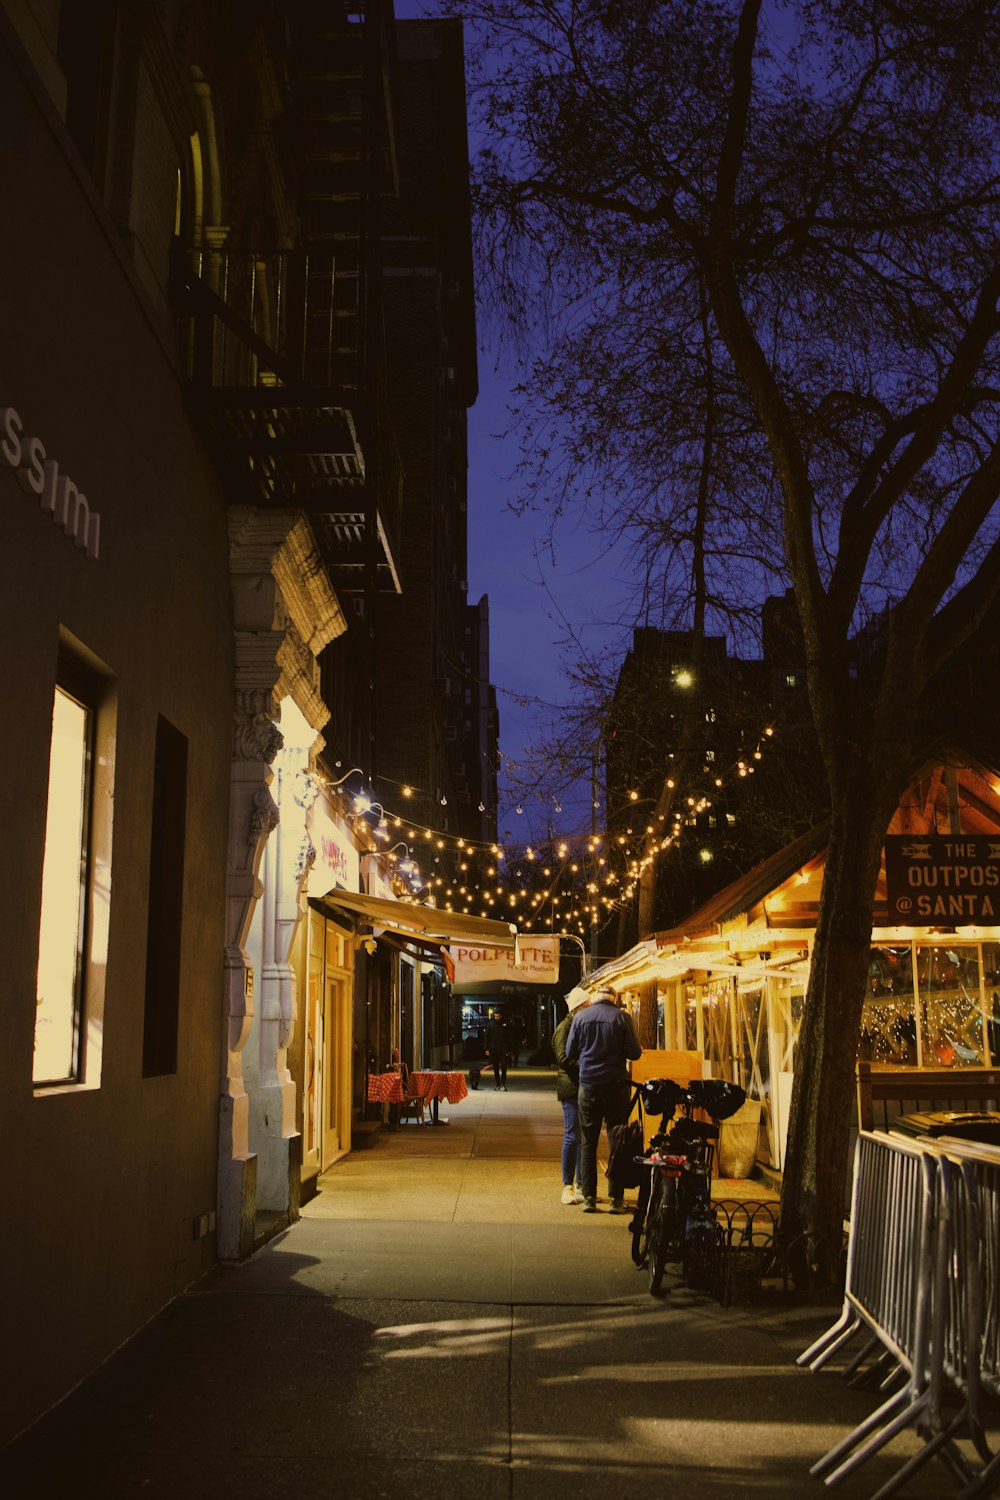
(567,1084)
(601,1040)
(497,1050)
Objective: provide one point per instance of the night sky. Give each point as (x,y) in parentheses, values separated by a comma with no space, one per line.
(507,556)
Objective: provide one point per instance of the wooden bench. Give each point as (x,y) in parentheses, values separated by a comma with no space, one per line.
(886,1091)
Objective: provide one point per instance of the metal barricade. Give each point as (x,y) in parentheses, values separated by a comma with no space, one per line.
(888,1289)
(970,1311)
(952,1259)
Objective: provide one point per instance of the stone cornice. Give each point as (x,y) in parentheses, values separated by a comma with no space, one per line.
(312,605)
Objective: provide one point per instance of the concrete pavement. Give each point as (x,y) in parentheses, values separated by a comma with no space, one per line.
(438,1323)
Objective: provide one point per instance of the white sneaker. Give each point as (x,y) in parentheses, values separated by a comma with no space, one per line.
(569,1196)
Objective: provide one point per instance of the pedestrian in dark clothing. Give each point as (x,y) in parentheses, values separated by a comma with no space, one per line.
(498,1050)
(601,1040)
(567,1084)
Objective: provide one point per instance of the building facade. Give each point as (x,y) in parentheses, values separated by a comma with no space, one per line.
(203,499)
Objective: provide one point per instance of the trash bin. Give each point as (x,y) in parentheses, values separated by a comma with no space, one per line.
(738,1141)
(983,1127)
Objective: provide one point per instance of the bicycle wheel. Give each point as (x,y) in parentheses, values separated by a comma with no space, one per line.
(640,1222)
(702,1237)
(660,1226)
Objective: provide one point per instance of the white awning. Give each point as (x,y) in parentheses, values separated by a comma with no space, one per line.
(428,922)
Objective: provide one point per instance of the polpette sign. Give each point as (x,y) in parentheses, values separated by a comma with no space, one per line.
(478,965)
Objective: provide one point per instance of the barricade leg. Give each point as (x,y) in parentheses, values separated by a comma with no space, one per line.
(873,1433)
(840,1333)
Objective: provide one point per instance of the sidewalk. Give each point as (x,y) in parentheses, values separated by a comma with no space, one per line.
(439,1324)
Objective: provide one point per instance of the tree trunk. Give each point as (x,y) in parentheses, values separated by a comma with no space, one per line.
(815,1187)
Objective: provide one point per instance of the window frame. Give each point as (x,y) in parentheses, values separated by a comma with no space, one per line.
(82,678)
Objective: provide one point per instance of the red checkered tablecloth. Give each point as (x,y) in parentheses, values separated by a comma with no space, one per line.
(385,1088)
(450,1086)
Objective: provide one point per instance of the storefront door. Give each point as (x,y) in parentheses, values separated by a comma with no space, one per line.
(327,1103)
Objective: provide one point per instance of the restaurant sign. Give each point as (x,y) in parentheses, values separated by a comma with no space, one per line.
(337,865)
(477,968)
(942,877)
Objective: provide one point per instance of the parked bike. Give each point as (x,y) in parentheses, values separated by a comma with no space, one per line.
(674,1219)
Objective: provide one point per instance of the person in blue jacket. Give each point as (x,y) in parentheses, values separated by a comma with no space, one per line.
(601,1040)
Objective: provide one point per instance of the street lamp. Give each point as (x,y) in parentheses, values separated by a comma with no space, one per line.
(333,785)
(580,943)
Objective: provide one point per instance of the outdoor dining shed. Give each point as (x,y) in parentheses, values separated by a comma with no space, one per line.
(730,981)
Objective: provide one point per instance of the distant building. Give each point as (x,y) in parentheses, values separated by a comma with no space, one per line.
(734,737)
(432,670)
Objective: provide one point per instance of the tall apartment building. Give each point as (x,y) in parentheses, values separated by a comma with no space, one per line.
(687,712)
(203,503)
(433,672)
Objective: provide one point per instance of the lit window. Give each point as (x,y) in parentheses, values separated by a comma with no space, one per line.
(59,998)
(709,754)
(791,680)
(730,819)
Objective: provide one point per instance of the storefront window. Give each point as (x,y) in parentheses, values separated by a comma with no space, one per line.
(888,1027)
(951,1006)
(59,997)
(991,995)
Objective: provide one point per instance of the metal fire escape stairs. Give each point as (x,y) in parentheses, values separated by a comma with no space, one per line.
(288,350)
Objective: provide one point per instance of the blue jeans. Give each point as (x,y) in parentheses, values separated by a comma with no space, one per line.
(571,1142)
(599,1104)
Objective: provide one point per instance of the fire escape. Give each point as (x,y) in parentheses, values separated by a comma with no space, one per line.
(287,346)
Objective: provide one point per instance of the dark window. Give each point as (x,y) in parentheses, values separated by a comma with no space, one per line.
(166,902)
(85,48)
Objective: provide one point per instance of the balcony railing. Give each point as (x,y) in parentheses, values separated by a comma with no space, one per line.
(273,345)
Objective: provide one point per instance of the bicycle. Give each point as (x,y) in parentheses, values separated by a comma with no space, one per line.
(674,1219)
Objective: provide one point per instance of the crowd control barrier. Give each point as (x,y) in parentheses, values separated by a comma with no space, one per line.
(923,1282)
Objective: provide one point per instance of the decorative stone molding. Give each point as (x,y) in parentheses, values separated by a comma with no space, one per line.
(255,737)
(284,612)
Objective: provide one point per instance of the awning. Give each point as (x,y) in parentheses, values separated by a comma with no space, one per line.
(410,920)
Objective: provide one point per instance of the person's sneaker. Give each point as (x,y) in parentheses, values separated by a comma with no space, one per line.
(580,1195)
(568,1195)
(618,1206)
(590,1205)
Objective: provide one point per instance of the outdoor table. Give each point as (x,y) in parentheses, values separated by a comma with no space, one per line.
(436,1086)
(385,1088)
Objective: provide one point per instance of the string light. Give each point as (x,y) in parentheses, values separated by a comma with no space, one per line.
(572,854)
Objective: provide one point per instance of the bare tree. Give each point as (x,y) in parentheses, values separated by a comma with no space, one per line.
(767,237)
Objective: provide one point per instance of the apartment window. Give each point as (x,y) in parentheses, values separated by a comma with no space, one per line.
(791,680)
(62,933)
(166,902)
